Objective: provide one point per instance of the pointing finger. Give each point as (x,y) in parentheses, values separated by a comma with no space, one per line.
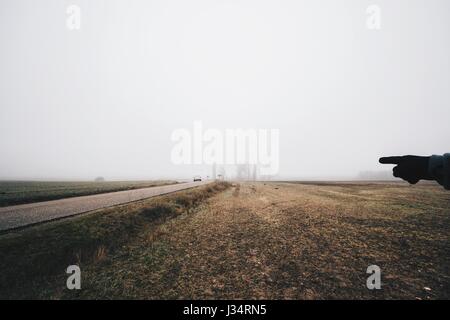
(390,160)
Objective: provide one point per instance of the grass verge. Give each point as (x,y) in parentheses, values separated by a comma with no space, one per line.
(33,257)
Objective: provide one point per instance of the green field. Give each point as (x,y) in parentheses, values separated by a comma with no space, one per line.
(19,192)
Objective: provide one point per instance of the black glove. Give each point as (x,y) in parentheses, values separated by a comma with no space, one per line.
(409,168)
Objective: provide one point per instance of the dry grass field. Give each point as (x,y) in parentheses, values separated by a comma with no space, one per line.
(249,240)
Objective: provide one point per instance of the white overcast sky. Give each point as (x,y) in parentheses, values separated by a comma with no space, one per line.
(104,100)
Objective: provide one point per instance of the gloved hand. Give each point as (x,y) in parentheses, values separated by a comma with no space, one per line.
(409,168)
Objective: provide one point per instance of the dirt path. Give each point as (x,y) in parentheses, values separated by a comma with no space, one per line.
(289,241)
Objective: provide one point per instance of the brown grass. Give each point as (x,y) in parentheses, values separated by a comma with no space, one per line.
(272,241)
(291,241)
(33,257)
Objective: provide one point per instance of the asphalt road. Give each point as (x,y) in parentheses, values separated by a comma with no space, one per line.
(26,214)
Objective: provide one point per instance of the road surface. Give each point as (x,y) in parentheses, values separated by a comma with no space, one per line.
(26,214)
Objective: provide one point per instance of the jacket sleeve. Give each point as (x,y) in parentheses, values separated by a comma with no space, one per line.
(439,169)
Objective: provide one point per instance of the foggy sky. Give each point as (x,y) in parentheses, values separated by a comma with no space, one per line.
(104,100)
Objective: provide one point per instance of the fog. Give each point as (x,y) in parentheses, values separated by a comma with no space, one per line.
(104,99)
